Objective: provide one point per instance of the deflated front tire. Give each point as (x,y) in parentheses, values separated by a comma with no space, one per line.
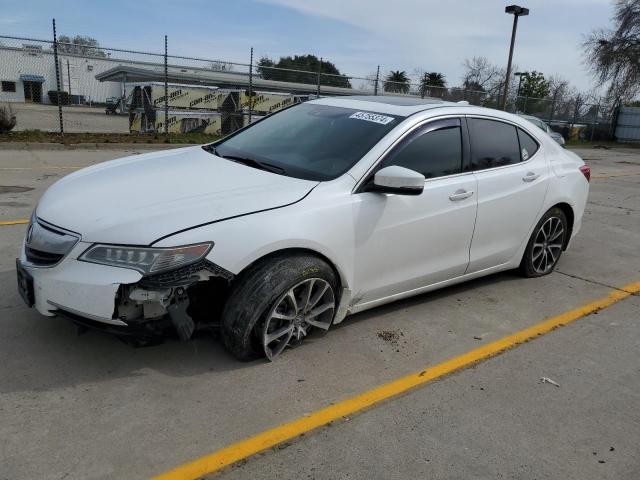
(281,298)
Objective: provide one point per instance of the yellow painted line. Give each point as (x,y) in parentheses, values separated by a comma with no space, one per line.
(282,433)
(14,222)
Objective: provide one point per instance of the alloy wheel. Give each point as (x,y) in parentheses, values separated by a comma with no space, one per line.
(308,304)
(547,245)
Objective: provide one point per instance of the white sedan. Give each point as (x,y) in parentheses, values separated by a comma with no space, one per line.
(323,209)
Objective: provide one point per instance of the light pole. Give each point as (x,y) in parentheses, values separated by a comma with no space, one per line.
(520,74)
(516,11)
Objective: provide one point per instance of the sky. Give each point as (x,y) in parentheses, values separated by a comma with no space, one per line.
(356,35)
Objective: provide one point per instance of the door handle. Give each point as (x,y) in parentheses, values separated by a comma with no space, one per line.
(530,177)
(460,195)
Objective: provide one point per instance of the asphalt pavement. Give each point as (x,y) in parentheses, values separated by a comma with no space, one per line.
(90,407)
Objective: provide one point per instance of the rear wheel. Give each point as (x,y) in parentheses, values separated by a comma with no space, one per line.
(277,303)
(545,245)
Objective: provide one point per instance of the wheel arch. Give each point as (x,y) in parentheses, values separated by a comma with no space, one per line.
(340,277)
(569,213)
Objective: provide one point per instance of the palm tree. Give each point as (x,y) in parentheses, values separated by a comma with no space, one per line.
(397,81)
(432,84)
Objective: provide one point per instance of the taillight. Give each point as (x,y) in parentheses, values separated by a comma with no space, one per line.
(586,171)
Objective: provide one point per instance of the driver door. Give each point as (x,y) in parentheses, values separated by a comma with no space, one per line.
(405,242)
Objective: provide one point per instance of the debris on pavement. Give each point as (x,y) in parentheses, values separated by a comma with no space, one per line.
(548,380)
(390,336)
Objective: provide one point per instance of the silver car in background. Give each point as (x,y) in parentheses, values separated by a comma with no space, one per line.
(545,127)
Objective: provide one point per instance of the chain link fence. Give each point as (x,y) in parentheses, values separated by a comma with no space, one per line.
(65,87)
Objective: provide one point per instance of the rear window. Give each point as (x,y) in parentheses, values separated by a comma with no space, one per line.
(493,144)
(528,146)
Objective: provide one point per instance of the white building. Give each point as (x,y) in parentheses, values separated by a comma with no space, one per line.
(27,73)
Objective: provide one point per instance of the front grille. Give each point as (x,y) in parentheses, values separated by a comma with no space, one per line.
(46,244)
(43,259)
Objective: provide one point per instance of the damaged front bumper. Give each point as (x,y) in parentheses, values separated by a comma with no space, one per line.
(116,299)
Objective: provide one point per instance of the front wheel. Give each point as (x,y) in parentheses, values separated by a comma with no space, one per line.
(545,245)
(277,303)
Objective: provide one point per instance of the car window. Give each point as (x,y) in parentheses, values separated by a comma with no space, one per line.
(493,144)
(528,146)
(310,141)
(434,151)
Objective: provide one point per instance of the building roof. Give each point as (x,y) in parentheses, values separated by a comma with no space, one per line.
(32,78)
(198,76)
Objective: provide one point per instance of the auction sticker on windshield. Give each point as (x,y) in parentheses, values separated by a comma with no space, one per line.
(372,117)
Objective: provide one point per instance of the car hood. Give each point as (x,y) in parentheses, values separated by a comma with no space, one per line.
(139,199)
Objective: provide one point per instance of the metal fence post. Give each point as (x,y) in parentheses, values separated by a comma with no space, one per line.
(166,89)
(553,106)
(614,119)
(55,57)
(595,119)
(575,114)
(375,87)
(250,84)
(69,80)
(319,70)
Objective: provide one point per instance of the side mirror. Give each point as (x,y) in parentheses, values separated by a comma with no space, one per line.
(398,180)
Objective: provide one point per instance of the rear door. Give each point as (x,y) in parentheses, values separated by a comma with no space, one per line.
(512,175)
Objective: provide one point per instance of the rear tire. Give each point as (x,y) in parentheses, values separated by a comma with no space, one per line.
(545,245)
(256,294)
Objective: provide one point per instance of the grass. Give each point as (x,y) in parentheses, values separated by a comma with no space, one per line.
(38,136)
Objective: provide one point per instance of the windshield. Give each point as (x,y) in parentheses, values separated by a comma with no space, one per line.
(309,141)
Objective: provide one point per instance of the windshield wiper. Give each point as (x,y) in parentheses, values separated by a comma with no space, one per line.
(250,162)
(209,148)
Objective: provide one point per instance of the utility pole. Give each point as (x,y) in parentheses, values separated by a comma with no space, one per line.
(516,11)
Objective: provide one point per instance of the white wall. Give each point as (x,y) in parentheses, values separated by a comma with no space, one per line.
(628,126)
(82,71)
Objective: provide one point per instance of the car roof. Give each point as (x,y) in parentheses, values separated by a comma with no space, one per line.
(405,106)
(393,105)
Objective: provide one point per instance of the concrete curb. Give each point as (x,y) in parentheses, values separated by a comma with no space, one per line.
(90,146)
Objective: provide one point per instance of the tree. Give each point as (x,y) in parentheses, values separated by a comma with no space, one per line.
(80,45)
(265,64)
(614,54)
(534,85)
(483,76)
(432,84)
(397,82)
(302,69)
(532,90)
(558,87)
